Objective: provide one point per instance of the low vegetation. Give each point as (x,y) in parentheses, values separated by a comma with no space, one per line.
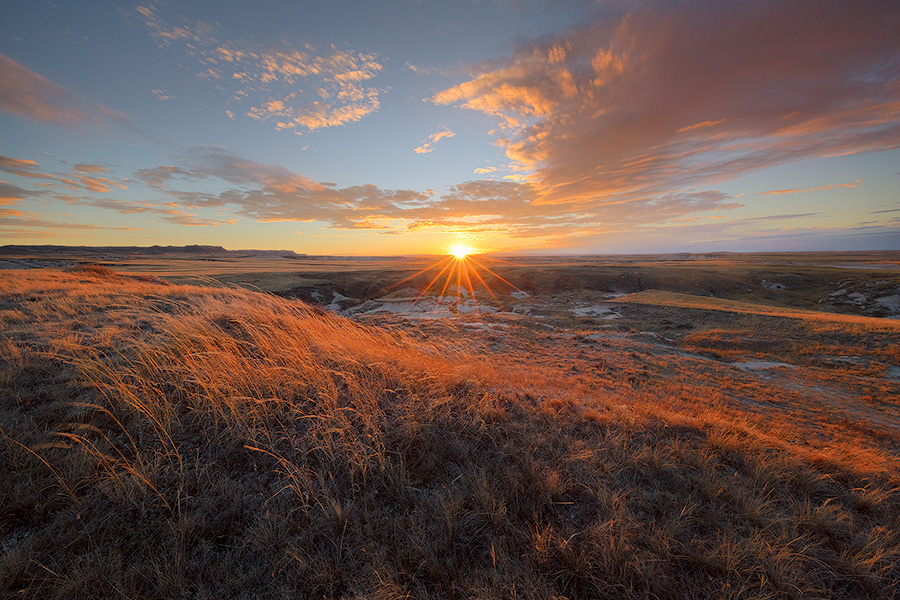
(169,441)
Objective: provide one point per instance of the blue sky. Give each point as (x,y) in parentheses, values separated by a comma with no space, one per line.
(404,127)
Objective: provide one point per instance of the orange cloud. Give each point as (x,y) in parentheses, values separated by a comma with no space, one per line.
(812,189)
(99,184)
(26,94)
(703,124)
(81,178)
(85,168)
(432,139)
(12,220)
(671,96)
(22,168)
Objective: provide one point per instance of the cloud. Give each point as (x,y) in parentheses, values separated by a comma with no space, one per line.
(670,96)
(84,178)
(26,94)
(81,177)
(99,184)
(432,139)
(161,94)
(168,212)
(164,33)
(485,170)
(86,168)
(812,189)
(267,193)
(266,80)
(13,219)
(22,168)
(215,179)
(13,194)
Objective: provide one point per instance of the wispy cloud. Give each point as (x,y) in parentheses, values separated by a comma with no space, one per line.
(12,220)
(431,140)
(83,176)
(86,168)
(22,168)
(161,94)
(266,80)
(13,194)
(165,33)
(169,212)
(812,189)
(26,94)
(677,95)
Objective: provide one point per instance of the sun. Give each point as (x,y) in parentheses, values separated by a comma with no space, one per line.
(460,268)
(461,251)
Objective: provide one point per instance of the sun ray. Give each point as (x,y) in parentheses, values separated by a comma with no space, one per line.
(461,268)
(436,277)
(428,268)
(486,286)
(446,285)
(495,275)
(464,265)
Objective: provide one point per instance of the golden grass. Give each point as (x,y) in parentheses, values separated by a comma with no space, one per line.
(166,441)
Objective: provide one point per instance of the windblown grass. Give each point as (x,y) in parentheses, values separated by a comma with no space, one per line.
(168,441)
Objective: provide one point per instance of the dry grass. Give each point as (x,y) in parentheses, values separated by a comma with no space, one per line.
(174,441)
(674,299)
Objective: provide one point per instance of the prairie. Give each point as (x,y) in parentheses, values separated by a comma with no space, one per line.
(584,438)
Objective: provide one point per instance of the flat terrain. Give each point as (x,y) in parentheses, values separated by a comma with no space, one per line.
(717,426)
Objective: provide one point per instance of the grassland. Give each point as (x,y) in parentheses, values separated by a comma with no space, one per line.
(165,440)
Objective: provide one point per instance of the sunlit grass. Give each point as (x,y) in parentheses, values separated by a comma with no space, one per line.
(176,441)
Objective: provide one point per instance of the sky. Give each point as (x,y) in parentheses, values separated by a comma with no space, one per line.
(404,127)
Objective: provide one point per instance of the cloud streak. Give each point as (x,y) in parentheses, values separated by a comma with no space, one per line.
(29,95)
(26,94)
(677,95)
(812,189)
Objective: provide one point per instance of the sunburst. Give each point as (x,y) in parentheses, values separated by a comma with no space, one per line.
(459,267)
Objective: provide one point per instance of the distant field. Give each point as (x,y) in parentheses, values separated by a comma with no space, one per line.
(673,299)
